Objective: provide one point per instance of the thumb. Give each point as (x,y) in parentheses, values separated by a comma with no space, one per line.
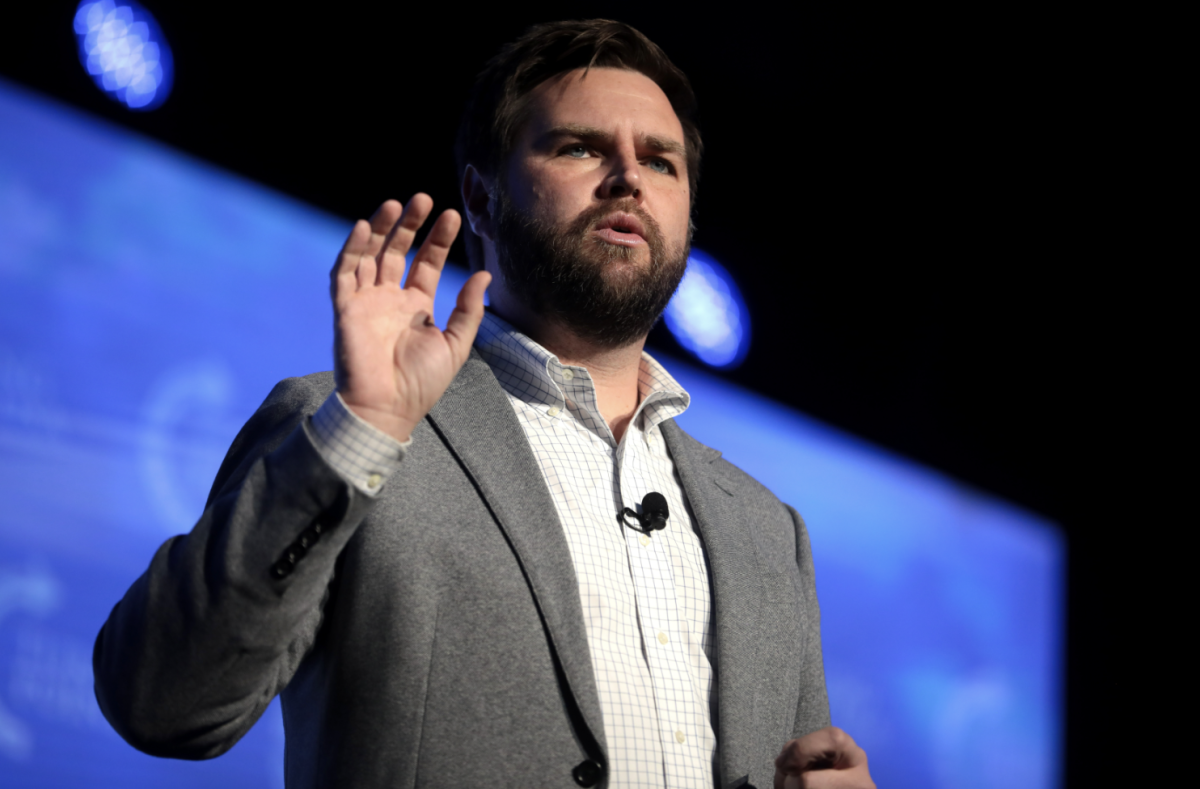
(468,314)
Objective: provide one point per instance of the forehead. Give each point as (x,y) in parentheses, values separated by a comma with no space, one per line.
(611,99)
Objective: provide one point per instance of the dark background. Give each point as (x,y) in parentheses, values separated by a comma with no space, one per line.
(908,201)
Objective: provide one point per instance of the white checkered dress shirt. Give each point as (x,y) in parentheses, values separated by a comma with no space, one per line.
(646,599)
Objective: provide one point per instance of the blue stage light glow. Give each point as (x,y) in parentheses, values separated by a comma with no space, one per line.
(124,50)
(708,315)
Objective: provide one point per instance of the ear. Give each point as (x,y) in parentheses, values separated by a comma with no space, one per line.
(478,202)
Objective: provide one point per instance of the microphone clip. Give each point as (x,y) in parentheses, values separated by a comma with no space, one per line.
(652,518)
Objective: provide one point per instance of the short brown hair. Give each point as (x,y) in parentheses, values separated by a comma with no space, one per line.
(498,103)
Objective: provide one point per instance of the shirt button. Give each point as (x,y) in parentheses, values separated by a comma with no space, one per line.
(553,411)
(568,375)
(374,481)
(662,639)
(679,737)
(644,540)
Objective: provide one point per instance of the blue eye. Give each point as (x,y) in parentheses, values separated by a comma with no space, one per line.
(659,166)
(577,151)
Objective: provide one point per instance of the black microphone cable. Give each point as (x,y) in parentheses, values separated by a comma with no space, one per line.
(653,516)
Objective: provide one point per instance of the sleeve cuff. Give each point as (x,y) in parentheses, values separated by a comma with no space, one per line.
(360,453)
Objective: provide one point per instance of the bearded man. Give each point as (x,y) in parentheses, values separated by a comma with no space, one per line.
(443,555)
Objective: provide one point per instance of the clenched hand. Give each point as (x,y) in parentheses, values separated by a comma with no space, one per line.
(825,759)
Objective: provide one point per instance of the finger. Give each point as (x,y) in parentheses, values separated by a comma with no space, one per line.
(365,272)
(385,216)
(394,249)
(856,778)
(343,278)
(427,264)
(829,748)
(382,222)
(392,259)
(400,236)
(468,314)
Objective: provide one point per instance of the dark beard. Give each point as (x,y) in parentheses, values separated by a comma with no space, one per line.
(569,276)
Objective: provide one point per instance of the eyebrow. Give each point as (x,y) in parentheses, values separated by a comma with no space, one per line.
(591,133)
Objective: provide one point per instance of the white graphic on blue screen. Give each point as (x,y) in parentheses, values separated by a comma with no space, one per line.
(33,592)
(185,432)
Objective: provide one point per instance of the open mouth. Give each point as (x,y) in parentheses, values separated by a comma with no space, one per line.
(621,228)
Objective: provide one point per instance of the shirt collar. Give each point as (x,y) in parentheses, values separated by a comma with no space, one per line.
(531,373)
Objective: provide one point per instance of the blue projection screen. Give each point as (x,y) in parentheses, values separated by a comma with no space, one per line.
(148,302)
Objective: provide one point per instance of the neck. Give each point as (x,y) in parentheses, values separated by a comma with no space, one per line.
(614,371)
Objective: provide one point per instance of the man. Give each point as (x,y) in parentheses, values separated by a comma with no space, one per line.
(439,556)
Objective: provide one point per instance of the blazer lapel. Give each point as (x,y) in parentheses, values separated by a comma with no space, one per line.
(737,591)
(476,420)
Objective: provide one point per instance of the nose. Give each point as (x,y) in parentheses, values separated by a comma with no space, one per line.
(624,177)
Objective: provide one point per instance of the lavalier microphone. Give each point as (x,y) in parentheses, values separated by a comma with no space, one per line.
(653,516)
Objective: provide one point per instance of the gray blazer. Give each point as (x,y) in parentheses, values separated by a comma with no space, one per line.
(433,635)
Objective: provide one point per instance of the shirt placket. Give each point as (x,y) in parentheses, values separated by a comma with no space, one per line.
(665,642)
(661,733)
(640,744)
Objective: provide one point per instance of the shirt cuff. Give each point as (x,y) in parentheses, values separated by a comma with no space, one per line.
(359,452)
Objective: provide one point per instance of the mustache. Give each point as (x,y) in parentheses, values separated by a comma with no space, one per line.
(561,270)
(593,215)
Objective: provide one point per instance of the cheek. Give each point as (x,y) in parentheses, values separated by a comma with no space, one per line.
(561,194)
(676,227)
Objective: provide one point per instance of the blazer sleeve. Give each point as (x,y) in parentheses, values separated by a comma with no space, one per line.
(199,645)
(812,710)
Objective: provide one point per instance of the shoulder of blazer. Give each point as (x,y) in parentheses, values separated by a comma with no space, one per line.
(724,475)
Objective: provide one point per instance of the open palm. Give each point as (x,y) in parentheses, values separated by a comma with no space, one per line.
(391,361)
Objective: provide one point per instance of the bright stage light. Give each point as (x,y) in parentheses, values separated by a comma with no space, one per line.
(707,314)
(124,50)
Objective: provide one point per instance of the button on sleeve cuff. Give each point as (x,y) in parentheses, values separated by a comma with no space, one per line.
(360,453)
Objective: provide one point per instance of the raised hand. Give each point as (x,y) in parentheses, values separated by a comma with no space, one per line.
(391,361)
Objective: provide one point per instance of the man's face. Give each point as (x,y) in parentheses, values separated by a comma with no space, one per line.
(594,204)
